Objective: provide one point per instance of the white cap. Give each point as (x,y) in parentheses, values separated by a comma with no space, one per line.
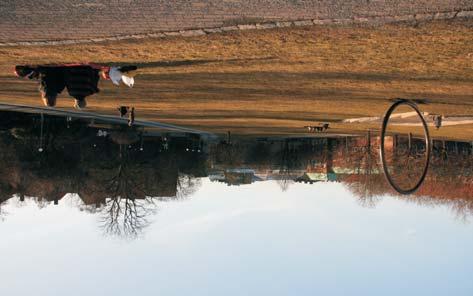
(116,76)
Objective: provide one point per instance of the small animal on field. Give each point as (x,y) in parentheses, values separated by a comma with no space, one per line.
(318,128)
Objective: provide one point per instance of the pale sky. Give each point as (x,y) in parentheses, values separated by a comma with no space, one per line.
(247,240)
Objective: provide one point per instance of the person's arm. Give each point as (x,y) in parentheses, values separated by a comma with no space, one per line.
(95,80)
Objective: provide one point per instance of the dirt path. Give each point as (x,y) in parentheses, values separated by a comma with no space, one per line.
(106,118)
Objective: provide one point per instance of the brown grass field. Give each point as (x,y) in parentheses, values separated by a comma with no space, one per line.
(275,81)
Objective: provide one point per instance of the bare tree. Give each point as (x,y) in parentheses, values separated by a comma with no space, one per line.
(126,217)
(284,183)
(288,160)
(3,213)
(366,175)
(127,206)
(187,185)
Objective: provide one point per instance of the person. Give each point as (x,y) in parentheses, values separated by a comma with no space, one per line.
(51,84)
(51,81)
(438,121)
(80,81)
(131,117)
(123,110)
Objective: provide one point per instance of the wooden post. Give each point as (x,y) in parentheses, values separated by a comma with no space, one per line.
(369,139)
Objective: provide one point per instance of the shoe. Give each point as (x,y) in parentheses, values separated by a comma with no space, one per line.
(80,104)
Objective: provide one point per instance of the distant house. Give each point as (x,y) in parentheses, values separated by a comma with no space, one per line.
(317,177)
(239,176)
(218,176)
(235,177)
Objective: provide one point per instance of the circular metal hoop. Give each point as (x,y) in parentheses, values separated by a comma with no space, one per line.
(387,116)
